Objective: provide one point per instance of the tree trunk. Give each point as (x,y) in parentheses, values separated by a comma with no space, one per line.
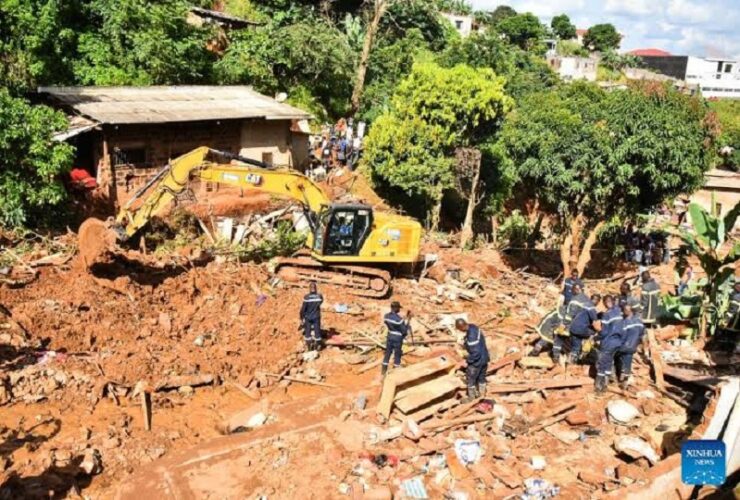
(585,254)
(494,229)
(467,229)
(434,214)
(380,7)
(570,245)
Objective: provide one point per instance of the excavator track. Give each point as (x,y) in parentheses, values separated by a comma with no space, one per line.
(358,280)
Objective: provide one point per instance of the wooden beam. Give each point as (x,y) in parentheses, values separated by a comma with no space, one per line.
(146,409)
(417,396)
(402,376)
(506,360)
(539,385)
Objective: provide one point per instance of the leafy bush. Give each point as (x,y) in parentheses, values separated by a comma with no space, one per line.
(514,230)
(31,163)
(285,242)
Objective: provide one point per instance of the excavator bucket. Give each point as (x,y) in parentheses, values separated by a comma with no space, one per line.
(96,241)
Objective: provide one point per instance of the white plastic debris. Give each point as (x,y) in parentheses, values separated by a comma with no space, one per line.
(537,462)
(467,451)
(257,420)
(646,394)
(621,412)
(635,447)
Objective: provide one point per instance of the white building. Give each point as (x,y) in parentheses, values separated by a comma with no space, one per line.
(465,25)
(573,68)
(715,77)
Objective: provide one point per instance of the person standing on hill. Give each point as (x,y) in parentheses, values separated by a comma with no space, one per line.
(476,371)
(649,299)
(398,328)
(311,317)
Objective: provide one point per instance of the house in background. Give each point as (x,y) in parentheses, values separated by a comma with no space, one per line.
(715,77)
(464,24)
(572,68)
(720,193)
(124,135)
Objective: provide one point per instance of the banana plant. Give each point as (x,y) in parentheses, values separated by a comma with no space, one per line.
(710,241)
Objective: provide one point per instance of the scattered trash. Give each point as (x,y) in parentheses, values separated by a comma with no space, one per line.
(635,447)
(199,341)
(92,463)
(621,412)
(412,430)
(537,462)
(361,402)
(457,495)
(341,308)
(646,394)
(414,488)
(485,406)
(344,488)
(539,489)
(437,462)
(377,435)
(46,357)
(468,452)
(257,420)
(310,356)
(261,299)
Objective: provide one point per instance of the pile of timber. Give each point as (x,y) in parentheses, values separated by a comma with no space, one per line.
(421,390)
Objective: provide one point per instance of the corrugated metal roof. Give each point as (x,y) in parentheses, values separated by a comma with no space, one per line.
(722,179)
(128,105)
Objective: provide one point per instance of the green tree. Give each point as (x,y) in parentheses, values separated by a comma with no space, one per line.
(710,242)
(523,30)
(129,42)
(500,13)
(563,28)
(588,156)
(728,114)
(31,164)
(461,7)
(38,42)
(434,111)
(524,72)
(601,38)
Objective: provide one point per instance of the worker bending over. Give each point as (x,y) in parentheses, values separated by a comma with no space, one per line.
(568,284)
(398,328)
(547,329)
(580,328)
(630,331)
(311,317)
(649,298)
(576,304)
(609,342)
(475,344)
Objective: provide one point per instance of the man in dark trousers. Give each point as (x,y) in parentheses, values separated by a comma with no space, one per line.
(568,284)
(311,317)
(398,328)
(475,344)
(578,301)
(546,329)
(630,331)
(609,342)
(580,328)
(649,299)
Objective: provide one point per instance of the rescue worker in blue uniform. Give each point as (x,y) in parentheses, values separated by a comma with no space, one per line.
(546,329)
(649,298)
(568,283)
(630,330)
(609,341)
(398,328)
(475,345)
(580,328)
(626,297)
(575,305)
(311,317)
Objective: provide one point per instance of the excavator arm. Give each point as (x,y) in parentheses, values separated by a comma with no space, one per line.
(173,179)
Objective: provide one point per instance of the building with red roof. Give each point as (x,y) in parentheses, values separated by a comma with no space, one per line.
(651,52)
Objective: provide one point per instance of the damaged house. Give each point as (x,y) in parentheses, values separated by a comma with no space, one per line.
(124,135)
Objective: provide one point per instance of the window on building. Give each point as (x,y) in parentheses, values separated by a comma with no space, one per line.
(728,68)
(719,67)
(129,156)
(458,24)
(267,158)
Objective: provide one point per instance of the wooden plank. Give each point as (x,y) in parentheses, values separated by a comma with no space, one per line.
(146,409)
(432,410)
(459,421)
(655,359)
(417,396)
(406,375)
(506,360)
(539,385)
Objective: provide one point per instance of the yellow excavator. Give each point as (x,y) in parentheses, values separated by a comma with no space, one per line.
(349,245)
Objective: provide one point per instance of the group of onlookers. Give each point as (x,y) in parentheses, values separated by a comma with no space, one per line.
(338,145)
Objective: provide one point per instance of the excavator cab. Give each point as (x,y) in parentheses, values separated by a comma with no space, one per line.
(342,229)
